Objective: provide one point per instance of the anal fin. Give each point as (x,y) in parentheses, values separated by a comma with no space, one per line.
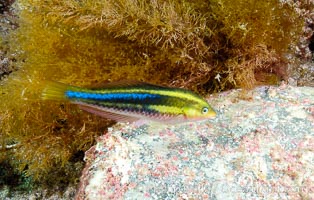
(107,114)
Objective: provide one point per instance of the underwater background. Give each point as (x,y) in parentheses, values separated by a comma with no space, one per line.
(205,46)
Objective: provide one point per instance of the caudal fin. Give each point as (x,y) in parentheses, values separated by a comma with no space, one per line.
(55,91)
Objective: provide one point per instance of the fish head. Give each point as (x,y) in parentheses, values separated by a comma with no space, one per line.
(198,112)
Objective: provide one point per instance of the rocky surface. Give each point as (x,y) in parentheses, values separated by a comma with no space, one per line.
(260,146)
(8,22)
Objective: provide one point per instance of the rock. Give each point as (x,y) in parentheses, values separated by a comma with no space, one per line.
(258,147)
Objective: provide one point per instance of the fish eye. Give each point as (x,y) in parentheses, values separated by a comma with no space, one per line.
(205,110)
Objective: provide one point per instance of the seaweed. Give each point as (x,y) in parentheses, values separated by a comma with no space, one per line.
(206,46)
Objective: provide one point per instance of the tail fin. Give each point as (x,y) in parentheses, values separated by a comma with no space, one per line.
(55,91)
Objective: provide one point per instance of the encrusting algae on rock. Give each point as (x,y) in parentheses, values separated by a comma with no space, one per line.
(131,101)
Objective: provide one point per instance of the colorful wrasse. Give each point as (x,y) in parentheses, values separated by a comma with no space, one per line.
(128,102)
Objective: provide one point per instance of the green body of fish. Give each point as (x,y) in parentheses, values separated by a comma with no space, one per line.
(127,102)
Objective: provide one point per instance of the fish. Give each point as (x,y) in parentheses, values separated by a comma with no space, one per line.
(130,101)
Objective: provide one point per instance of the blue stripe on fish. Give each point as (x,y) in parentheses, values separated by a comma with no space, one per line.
(110,96)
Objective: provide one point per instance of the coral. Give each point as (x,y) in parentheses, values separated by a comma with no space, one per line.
(205,46)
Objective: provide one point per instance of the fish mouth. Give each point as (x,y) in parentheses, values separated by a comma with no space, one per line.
(213,114)
(210,116)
